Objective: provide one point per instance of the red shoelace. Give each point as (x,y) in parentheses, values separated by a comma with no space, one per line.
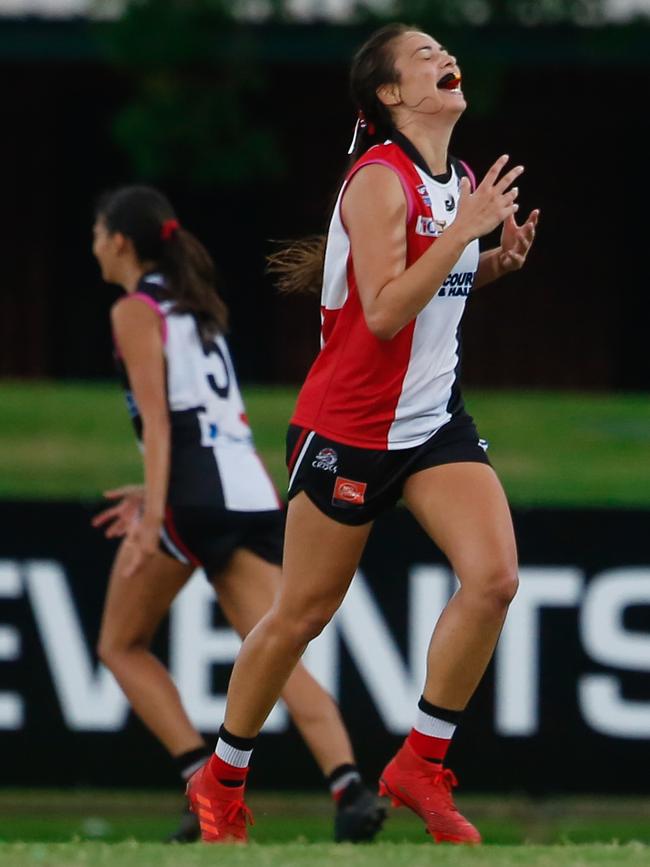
(233,811)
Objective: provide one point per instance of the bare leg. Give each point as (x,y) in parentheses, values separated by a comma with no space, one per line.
(464,510)
(246,592)
(320,558)
(132,613)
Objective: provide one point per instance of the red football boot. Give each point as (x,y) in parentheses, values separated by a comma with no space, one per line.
(412,781)
(220,809)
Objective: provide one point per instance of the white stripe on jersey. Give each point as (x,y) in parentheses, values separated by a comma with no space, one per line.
(435,341)
(242,475)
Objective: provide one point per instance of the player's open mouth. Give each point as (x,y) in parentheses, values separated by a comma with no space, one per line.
(451,81)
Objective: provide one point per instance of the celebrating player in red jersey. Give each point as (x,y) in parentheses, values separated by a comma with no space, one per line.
(207,500)
(380,416)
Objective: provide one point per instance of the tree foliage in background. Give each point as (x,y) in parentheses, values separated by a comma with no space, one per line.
(480,12)
(197,79)
(196,82)
(441,12)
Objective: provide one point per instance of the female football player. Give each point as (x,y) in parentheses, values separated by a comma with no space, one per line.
(207,499)
(380,417)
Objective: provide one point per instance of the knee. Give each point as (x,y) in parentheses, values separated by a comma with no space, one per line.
(498,586)
(311,625)
(305,626)
(502,585)
(111,649)
(105,651)
(506,586)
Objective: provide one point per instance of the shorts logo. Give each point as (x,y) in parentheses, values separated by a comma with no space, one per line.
(326,459)
(348,491)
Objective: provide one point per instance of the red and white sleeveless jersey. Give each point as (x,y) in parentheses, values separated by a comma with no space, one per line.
(389,394)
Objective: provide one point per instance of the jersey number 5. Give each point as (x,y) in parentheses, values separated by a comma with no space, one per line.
(216,370)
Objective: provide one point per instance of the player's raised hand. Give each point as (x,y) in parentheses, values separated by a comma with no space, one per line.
(516,241)
(491,203)
(119,519)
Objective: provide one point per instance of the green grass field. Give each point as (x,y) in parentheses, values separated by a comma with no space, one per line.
(301,854)
(73,440)
(119,828)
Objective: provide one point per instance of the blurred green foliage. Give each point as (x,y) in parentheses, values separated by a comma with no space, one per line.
(480,12)
(197,79)
(196,82)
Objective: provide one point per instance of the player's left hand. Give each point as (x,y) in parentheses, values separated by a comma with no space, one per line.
(142,543)
(516,242)
(122,517)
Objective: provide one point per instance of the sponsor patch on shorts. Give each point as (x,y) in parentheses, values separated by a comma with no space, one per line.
(349,492)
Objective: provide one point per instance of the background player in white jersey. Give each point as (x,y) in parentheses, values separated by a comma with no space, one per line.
(380,415)
(207,500)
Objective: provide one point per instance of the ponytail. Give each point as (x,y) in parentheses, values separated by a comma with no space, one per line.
(191,281)
(298,268)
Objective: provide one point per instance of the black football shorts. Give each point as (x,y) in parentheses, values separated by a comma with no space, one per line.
(208,537)
(354,485)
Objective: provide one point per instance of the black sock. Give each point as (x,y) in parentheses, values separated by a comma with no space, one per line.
(343,779)
(443,713)
(187,763)
(235,741)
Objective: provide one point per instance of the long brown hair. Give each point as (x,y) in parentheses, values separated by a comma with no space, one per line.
(139,213)
(298,267)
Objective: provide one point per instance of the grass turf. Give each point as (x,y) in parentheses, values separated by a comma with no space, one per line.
(300,854)
(57,829)
(112,816)
(69,440)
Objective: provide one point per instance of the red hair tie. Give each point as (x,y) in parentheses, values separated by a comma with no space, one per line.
(363,123)
(168,228)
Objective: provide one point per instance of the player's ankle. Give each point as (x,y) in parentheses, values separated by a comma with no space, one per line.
(342,779)
(229,764)
(432,732)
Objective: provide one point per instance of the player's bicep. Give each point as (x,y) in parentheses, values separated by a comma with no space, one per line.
(374,211)
(138,334)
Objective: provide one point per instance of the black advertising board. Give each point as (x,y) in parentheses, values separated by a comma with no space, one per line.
(565,706)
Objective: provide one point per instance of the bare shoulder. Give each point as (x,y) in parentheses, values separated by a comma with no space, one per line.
(374,190)
(132,310)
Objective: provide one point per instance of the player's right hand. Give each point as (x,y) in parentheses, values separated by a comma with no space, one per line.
(122,518)
(492,202)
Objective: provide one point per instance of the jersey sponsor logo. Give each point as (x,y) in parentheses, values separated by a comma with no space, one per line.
(348,491)
(458,284)
(429,227)
(426,198)
(326,459)
(450,203)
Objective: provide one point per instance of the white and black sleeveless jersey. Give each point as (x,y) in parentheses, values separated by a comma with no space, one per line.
(213,458)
